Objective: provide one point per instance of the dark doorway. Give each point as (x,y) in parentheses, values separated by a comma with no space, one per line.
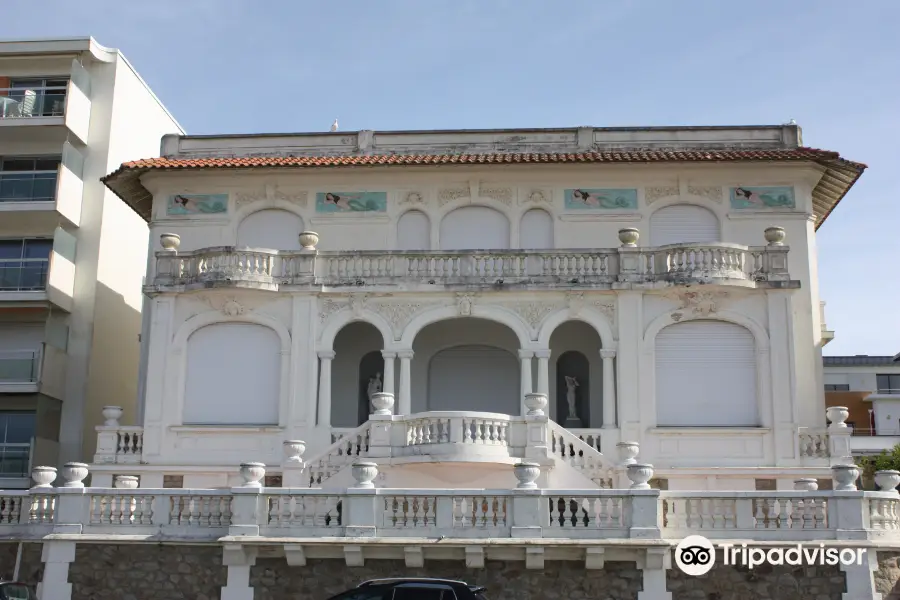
(573,365)
(371,372)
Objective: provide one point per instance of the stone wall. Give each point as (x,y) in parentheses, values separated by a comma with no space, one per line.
(764,582)
(31,569)
(273,579)
(887,577)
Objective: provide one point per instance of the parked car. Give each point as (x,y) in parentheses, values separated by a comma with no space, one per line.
(13,590)
(405,588)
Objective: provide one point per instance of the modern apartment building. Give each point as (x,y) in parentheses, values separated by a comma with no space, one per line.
(869,386)
(72,256)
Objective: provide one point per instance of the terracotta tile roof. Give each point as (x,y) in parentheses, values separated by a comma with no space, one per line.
(841,174)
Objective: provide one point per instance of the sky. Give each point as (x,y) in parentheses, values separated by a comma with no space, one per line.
(251,66)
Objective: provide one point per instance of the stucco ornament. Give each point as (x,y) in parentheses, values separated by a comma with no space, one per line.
(232,308)
(535,197)
(413,198)
(701,304)
(532,313)
(710,192)
(398,314)
(328,307)
(271,193)
(575,301)
(500,194)
(654,193)
(449,195)
(464,303)
(358,303)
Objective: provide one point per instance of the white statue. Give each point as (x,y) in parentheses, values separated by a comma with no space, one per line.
(571,384)
(374,385)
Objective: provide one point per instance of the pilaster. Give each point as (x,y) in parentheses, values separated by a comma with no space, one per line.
(631,334)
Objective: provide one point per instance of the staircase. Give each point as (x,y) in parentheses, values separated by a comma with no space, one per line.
(461,437)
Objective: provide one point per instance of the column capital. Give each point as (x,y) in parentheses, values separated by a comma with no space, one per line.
(523,354)
(388,354)
(607,353)
(405,354)
(326,354)
(542,353)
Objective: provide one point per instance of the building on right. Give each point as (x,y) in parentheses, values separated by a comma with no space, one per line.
(869,386)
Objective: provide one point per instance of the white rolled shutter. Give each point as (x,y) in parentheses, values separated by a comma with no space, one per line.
(706,375)
(683,224)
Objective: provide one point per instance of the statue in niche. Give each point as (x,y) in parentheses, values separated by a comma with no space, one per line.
(375,385)
(571,385)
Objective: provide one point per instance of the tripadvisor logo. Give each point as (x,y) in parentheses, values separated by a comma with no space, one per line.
(695,555)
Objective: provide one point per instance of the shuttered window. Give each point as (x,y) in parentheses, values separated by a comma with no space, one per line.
(706,375)
(682,224)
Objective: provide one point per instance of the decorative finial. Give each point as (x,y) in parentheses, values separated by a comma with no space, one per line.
(334,126)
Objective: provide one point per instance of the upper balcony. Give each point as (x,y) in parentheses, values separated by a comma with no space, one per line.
(46,108)
(38,271)
(36,190)
(628,266)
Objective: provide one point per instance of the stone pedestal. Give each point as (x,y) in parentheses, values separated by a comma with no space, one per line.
(573,423)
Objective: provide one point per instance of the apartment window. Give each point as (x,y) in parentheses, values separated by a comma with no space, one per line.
(888,384)
(27,179)
(16,432)
(24,264)
(39,97)
(837,387)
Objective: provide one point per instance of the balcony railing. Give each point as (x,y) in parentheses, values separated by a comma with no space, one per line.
(23,103)
(28,186)
(19,366)
(23,274)
(15,460)
(270,269)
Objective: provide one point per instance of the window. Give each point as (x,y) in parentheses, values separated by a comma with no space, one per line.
(888,384)
(423,593)
(24,264)
(837,387)
(28,179)
(39,97)
(16,431)
(173,481)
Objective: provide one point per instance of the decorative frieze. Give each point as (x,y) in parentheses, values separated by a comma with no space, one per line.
(500,194)
(700,304)
(413,199)
(654,193)
(271,193)
(399,314)
(710,192)
(536,197)
(329,307)
(533,312)
(448,195)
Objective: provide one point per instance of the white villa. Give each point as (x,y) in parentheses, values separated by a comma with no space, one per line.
(657,285)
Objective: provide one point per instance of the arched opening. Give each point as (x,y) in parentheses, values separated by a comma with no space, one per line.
(536,230)
(357,360)
(466,364)
(371,381)
(214,397)
(270,228)
(474,228)
(576,365)
(414,231)
(706,375)
(683,224)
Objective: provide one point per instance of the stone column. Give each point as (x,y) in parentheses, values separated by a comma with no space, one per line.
(654,565)
(525,357)
(543,374)
(56,556)
(388,381)
(325,358)
(609,388)
(238,559)
(405,404)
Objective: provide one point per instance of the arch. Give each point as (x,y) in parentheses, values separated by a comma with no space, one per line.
(593,318)
(657,324)
(474,227)
(414,231)
(262,204)
(340,319)
(273,228)
(682,222)
(229,347)
(188,327)
(443,313)
(536,230)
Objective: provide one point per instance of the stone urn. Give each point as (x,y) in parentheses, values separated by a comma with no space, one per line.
(293,451)
(308,240)
(640,474)
(845,477)
(170,241)
(806,485)
(774,235)
(253,473)
(887,480)
(837,415)
(126,482)
(112,414)
(74,473)
(43,476)
(629,237)
(628,452)
(527,473)
(364,473)
(536,403)
(383,402)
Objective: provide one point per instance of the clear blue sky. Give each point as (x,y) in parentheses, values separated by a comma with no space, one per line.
(230,66)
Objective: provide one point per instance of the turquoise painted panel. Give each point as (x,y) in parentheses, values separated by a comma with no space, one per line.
(197,204)
(582,199)
(341,202)
(762,197)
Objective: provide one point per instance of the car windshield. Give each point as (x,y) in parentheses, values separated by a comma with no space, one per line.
(16,591)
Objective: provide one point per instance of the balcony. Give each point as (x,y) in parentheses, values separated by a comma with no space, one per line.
(602,268)
(35,191)
(47,111)
(19,371)
(41,280)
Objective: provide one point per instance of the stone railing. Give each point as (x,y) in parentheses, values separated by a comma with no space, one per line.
(629,264)
(832,443)
(364,511)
